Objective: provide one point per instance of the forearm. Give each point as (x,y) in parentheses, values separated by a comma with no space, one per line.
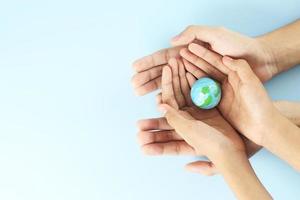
(241,178)
(284,45)
(282,138)
(290,110)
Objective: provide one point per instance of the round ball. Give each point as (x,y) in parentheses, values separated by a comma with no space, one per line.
(206,93)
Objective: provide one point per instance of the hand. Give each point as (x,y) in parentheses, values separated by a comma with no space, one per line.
(212,136)
(166,140)
(226,42)
(245,103)
(148,69)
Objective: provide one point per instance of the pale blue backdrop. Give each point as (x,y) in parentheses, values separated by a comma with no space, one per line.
(68,112)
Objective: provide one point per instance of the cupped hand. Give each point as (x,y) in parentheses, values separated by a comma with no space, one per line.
(157,137)
(233,44)
(225,42)
(210,134)
(245,103)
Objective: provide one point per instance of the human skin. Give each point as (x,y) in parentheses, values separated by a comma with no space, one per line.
(170,142)
(246,105)
(157,137)
(218,141)
(266,58)
(268,54)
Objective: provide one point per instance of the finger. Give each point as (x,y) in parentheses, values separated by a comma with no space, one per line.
(191,79)
(158,99)
(185,89)
(240,66)
(196,71)
(180,121)
(176,83)
(168,96)
(202,64)
(191,33)
(209,56)
(148,87)
(153,124)
(160,57)
(141,78)
(147,137)
(203,167)
(168,148)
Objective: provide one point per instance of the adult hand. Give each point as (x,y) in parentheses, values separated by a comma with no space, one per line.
(245,103)
(157,137)
(207,137)
(233,44)
(148,69)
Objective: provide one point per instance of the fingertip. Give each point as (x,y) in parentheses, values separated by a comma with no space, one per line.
(139,123)
(183,52)
(227,60)
(150,151)
(203,170)
(193,46)
(136,65)
(163,108)
(190,168)
(139,92)
(177,40)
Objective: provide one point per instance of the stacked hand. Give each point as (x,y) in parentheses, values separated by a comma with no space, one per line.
(175,92)
(224,42)
(245,118)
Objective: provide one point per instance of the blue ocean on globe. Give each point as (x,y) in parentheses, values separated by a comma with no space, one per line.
(206,93)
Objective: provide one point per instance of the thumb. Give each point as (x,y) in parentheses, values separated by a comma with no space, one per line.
(240,66)
(180,121)
(191,33)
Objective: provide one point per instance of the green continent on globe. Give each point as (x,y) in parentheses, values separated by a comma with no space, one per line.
(207,101)
(206,93)
(205,90)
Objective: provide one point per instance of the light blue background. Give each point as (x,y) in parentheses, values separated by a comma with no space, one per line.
(68,112)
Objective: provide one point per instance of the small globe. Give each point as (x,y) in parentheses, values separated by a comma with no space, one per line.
(206,93)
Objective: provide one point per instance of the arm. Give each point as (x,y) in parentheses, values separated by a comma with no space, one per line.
(241,178)
(217,140)
(290,110)
(284,43)
(231,162)
(283,139)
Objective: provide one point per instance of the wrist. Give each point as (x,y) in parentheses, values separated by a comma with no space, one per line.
(290,110)
(283,46)
(276,127)
(225,157)
(269,55)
